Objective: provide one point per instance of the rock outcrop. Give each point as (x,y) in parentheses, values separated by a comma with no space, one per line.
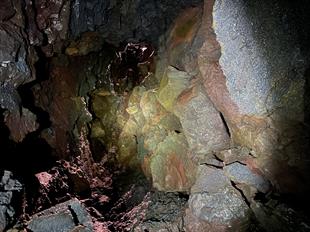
(9,187)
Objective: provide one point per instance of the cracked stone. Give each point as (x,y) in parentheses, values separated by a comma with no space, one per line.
(210,180)
(8,188)
(68,216)
(243,174)
(221,208)
(202,123)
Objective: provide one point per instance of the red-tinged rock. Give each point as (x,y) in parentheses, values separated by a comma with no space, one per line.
(60,98)
(6,10)
(44,178)
(20,124)
(48,18)
(100,227)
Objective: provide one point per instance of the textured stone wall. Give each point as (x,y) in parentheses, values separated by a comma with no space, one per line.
(264,68)
(119,21)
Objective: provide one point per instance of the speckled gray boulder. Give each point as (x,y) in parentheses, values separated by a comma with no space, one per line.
(222,207)
(202,124)
(261,57)
(241,173)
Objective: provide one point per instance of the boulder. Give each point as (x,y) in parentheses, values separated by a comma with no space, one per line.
(214,204)
(69,216)
(9,187)
(202,124)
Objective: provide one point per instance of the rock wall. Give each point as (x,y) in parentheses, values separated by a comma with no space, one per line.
(219,111)
(119,21)
(265,74)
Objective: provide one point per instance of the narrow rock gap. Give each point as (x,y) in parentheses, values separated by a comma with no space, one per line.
(225,124)
(26,92)
(241,192)
(74,216)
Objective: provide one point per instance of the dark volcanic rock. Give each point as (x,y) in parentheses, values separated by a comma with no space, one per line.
(263,94)
(164,213)
(68,216)
(243,174)
(8,188)
(16,69)
(123,20)
(214,204)
(6,10)
(48,23)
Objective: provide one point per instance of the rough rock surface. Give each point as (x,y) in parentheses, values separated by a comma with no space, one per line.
(241,173)
(164,213)
(268,54)
(48,24)
(260,91)
(214,203)
(66,100)
(8,188)
(202,123)
(16,68)
(120,21)
(68,216)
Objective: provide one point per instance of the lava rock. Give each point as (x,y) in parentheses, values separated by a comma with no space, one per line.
(241,173)
(171,86)
(202,123)
(68,216)
(119,21)
(164,213)
(276,216)
(16,69)
(257,67)
(6,10)
(214,204)
(8,188)
(210,180)
(219,208)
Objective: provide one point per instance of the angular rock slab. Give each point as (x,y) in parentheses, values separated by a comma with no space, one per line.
(69,216)
(241,173)
(209,180)
(170,167)
(202,124)
(214,204)
(8,188)
(171,86)
(219,208)
(259,51)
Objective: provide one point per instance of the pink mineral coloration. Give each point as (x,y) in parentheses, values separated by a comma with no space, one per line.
(44,178)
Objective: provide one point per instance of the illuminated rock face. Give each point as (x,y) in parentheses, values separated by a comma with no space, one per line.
(211,107)
(167,129)
(264,89)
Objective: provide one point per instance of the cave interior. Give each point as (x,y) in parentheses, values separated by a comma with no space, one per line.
(154,115)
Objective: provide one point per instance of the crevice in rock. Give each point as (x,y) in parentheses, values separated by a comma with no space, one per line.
(212,165)
(26,93)
(225,124)
(241,193)
(261,197)
(74,216)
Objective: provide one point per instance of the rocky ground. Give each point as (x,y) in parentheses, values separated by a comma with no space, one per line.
(115,118)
